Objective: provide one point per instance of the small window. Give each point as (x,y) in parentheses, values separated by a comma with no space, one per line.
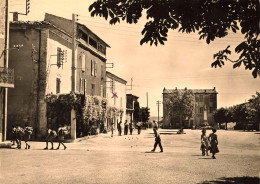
(58,85)
(92,68)
(201,109)
(92,89)
(121,102)
(211,109)
(200,98)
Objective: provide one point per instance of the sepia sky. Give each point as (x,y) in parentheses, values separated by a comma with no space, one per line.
(184,60)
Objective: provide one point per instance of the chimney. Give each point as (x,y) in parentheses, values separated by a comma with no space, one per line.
(15,16)
(185,88)
(214,88)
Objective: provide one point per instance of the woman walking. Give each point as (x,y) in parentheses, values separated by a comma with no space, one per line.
(213,143)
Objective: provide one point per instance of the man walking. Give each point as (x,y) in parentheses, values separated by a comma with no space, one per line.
(157,140)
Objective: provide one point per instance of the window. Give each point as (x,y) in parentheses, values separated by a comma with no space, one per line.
(95,69)
(211,109)
(201,109)
(92,68)
(121,101)
(58,85)
(212,98)
(112,86)
(92,42)
(92,89)
(83,36)
(82,85)
(200,98)
(101,91)
(83,62)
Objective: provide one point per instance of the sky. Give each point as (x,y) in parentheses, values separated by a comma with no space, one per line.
(184,60)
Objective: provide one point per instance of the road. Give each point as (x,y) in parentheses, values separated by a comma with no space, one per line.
(127,159)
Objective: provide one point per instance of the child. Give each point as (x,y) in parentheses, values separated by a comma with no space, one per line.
(157,140)
(204,143)
(13,139)
(61,134)
(27,134)
(50,136)
(19,135)
(213,143)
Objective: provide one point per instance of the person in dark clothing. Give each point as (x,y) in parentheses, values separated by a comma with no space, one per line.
(27,135)
(157,140)
(131,127)
(126,127)
(213,143)
(139,126)
(119,128)
(13,139)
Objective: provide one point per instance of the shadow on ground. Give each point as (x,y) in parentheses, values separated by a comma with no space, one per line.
(234,180)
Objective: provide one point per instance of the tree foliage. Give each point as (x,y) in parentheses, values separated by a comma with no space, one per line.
(180,104)
(211,19)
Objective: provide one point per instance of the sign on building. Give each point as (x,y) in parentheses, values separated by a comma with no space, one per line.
(6,77)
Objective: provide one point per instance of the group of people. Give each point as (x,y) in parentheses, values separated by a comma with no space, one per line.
(127,126)
(19,134)
(209,143)
(51,134)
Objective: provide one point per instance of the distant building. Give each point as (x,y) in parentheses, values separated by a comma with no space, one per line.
(204,107)
(130,105)
(116,97)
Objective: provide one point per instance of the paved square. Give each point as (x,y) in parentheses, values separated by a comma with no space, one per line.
(127,159)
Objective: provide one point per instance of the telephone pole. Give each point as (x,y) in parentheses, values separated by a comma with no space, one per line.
(158,103)
(73,68)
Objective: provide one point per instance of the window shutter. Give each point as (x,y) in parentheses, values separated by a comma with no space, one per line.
(95,72)
(83,61)
(58,57)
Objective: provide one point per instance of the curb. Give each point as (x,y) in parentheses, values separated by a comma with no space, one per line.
(5,145)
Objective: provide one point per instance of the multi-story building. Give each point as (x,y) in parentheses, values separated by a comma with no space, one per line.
(116,97)
(44,65)
(131,100)
(205,103)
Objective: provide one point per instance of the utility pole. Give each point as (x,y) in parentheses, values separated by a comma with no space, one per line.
(73,68)
(158,103)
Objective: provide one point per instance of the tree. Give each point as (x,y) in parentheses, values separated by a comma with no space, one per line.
(145,114)
(180,104)
(220,116)
(240,115)
(209,18)
(137,112)
(254,109)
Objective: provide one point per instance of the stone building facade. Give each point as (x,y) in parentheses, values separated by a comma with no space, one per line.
(205,103)
(44,65)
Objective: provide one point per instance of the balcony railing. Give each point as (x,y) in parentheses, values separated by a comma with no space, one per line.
(6,77)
